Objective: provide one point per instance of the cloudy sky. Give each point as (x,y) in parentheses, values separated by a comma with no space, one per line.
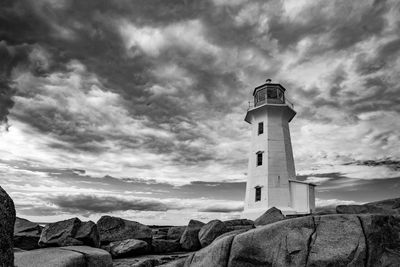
(136,108)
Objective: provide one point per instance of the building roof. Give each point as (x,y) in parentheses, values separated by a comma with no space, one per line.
(266,84)
(301,182)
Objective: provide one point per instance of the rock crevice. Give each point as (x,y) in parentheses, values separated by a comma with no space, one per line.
(310,240)
(366,260)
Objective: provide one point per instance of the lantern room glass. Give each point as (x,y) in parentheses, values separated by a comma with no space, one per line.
(271,95)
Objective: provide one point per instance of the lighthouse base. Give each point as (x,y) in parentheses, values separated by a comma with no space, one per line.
(302,198)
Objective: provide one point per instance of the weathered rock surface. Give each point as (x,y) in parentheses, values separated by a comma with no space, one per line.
(175,263)
(210,231)
(383,239)
(93,256)
(388,206)
(270,216)
(26,234)
(189,239)
(71,232)
(128,247)
(175,233)
(73,256)
(337,239)
(232,233)
(237,224)
(217,254)
(88,234)
(165,246)
(330,240)
(160,232)
(150,260)
(7,219)
(117,229)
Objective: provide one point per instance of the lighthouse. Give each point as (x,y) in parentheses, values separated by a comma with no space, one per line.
(271,177)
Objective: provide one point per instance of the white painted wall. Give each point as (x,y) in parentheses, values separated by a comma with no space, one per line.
(300,197)
(278,164)
(276,176)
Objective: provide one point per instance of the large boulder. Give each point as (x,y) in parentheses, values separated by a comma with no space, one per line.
(128,247)
(189,239)
(284,243)
(330,240)
(117,229)
(337,239)
(165,246)
(26,234)
(217,254)
(388,206)
(160,232)
(210,231)
(237,224)
(231,233)
(88,234)
(270,216)
(175,232)
(72,256)
(383,239)
(7,220)
(71,232)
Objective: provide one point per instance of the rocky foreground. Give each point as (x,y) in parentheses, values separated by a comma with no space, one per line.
(356,235)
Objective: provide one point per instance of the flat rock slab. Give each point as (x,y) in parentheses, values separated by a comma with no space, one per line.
(74,256)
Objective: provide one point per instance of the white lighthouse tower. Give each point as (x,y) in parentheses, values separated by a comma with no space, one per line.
(271,178)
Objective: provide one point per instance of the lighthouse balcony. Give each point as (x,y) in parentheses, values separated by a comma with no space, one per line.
(270,93)
(253,104)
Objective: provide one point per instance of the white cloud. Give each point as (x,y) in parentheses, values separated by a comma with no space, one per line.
(317,180)
(153,41)
(334,202)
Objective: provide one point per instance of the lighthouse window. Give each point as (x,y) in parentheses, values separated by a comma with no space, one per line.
(259,158)
(261,95)
(271,93)
(280,95)
(258,193)
(260,127)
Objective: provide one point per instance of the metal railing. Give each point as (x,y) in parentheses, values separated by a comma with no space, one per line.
(287,102)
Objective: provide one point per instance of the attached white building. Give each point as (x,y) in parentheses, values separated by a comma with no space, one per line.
(271,178)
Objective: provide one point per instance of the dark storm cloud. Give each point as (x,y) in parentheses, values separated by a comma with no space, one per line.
(87,32)
(10,56)
(104,204)
(391,164)
(138,187)
(37,210)
(338,186)
(379,60)
(384,96)
(349,25)
(222,209)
